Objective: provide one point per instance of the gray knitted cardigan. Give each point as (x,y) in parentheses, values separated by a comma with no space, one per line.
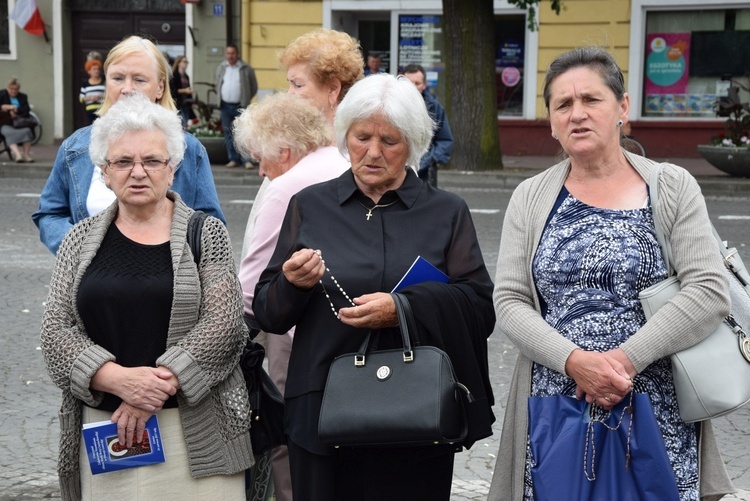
(686,320)
(204,342)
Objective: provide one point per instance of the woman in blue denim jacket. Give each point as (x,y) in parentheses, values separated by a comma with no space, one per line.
(75,188)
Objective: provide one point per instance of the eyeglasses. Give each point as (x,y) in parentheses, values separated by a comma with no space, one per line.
(126,164)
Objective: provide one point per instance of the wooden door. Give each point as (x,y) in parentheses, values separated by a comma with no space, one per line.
(100,31)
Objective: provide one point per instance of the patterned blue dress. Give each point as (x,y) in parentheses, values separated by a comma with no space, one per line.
(589,267)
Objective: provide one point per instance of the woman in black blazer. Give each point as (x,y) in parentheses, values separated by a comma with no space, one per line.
(15,104)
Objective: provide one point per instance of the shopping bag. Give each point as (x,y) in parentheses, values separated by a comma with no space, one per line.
(583,454)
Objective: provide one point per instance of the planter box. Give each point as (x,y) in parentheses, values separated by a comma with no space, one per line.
(733,161)
(216,148)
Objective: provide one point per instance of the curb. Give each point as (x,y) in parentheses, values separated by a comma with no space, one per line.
(508,178)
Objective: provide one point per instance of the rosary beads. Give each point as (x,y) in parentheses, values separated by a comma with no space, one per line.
(333,308)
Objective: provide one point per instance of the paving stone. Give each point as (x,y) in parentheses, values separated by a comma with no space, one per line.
(29,400)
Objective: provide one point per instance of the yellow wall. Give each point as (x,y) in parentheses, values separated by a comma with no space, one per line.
(272,25)
(582,22)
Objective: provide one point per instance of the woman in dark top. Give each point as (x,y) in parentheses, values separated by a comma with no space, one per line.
(134,327)
(14,103)
(369,225)
(181,91)
(92,89)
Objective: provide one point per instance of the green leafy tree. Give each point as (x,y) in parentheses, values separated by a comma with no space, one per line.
(471,92)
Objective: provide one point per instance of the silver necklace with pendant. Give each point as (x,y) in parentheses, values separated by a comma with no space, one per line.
(376,206)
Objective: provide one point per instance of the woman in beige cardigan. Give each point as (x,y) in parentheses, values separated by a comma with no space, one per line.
(133,327)
(578,244)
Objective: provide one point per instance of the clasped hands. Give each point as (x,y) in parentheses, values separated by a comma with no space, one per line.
(143,391)
(601,378)
(371,311)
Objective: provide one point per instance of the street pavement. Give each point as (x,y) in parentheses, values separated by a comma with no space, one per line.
(29,400)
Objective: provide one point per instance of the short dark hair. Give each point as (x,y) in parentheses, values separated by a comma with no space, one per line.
(597,59)
(232,46)
(413,68)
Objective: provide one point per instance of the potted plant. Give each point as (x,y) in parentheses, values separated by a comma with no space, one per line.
(206,127)
(730,152)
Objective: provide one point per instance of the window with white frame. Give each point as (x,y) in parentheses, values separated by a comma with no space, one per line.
(4,28)
(691,57)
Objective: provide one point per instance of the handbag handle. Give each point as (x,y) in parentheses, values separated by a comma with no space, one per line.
(732,259)
(406,324)
(653,194)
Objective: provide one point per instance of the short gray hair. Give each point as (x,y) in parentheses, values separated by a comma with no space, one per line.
(280,121)
(136,113)
(398,100)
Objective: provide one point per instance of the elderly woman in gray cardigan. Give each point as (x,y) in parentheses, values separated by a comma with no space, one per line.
(133,327)
(578,244)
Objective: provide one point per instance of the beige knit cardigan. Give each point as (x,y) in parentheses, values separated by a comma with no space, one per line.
(205,339)
(687,319)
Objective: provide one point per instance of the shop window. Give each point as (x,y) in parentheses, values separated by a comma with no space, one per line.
(421,42)
(375,37)
(691,58)
(510,32)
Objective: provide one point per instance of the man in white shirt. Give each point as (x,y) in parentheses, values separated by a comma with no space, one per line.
(236,86)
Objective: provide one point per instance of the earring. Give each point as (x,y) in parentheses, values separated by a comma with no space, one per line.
(555,136)
(619,123)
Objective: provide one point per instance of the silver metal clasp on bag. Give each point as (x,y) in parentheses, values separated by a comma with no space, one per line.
(408,356)
(359,360)
(742,338)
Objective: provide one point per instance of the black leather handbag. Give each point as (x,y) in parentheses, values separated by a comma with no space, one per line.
(23,122)
(266,401)
(393,398)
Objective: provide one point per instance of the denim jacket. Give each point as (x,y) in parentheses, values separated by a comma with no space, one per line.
(63,199)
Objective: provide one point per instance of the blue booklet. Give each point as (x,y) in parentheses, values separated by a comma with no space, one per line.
(421,270)
(106,454)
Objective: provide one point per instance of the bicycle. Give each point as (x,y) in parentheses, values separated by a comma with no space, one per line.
(632,145)
(37,129)
(629,142)
(208,115)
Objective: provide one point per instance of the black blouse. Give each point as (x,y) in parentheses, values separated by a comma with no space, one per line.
(364,256)
(125,300)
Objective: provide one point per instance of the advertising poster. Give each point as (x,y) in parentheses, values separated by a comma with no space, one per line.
(420,41)
(667,73)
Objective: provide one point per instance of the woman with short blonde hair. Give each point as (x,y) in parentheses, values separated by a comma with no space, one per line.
(75,188)
(322,66)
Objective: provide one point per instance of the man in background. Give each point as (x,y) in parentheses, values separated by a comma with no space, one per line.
(442,142)
(372,66)
(236,86)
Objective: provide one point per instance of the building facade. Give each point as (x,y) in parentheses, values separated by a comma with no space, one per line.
(678,56)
